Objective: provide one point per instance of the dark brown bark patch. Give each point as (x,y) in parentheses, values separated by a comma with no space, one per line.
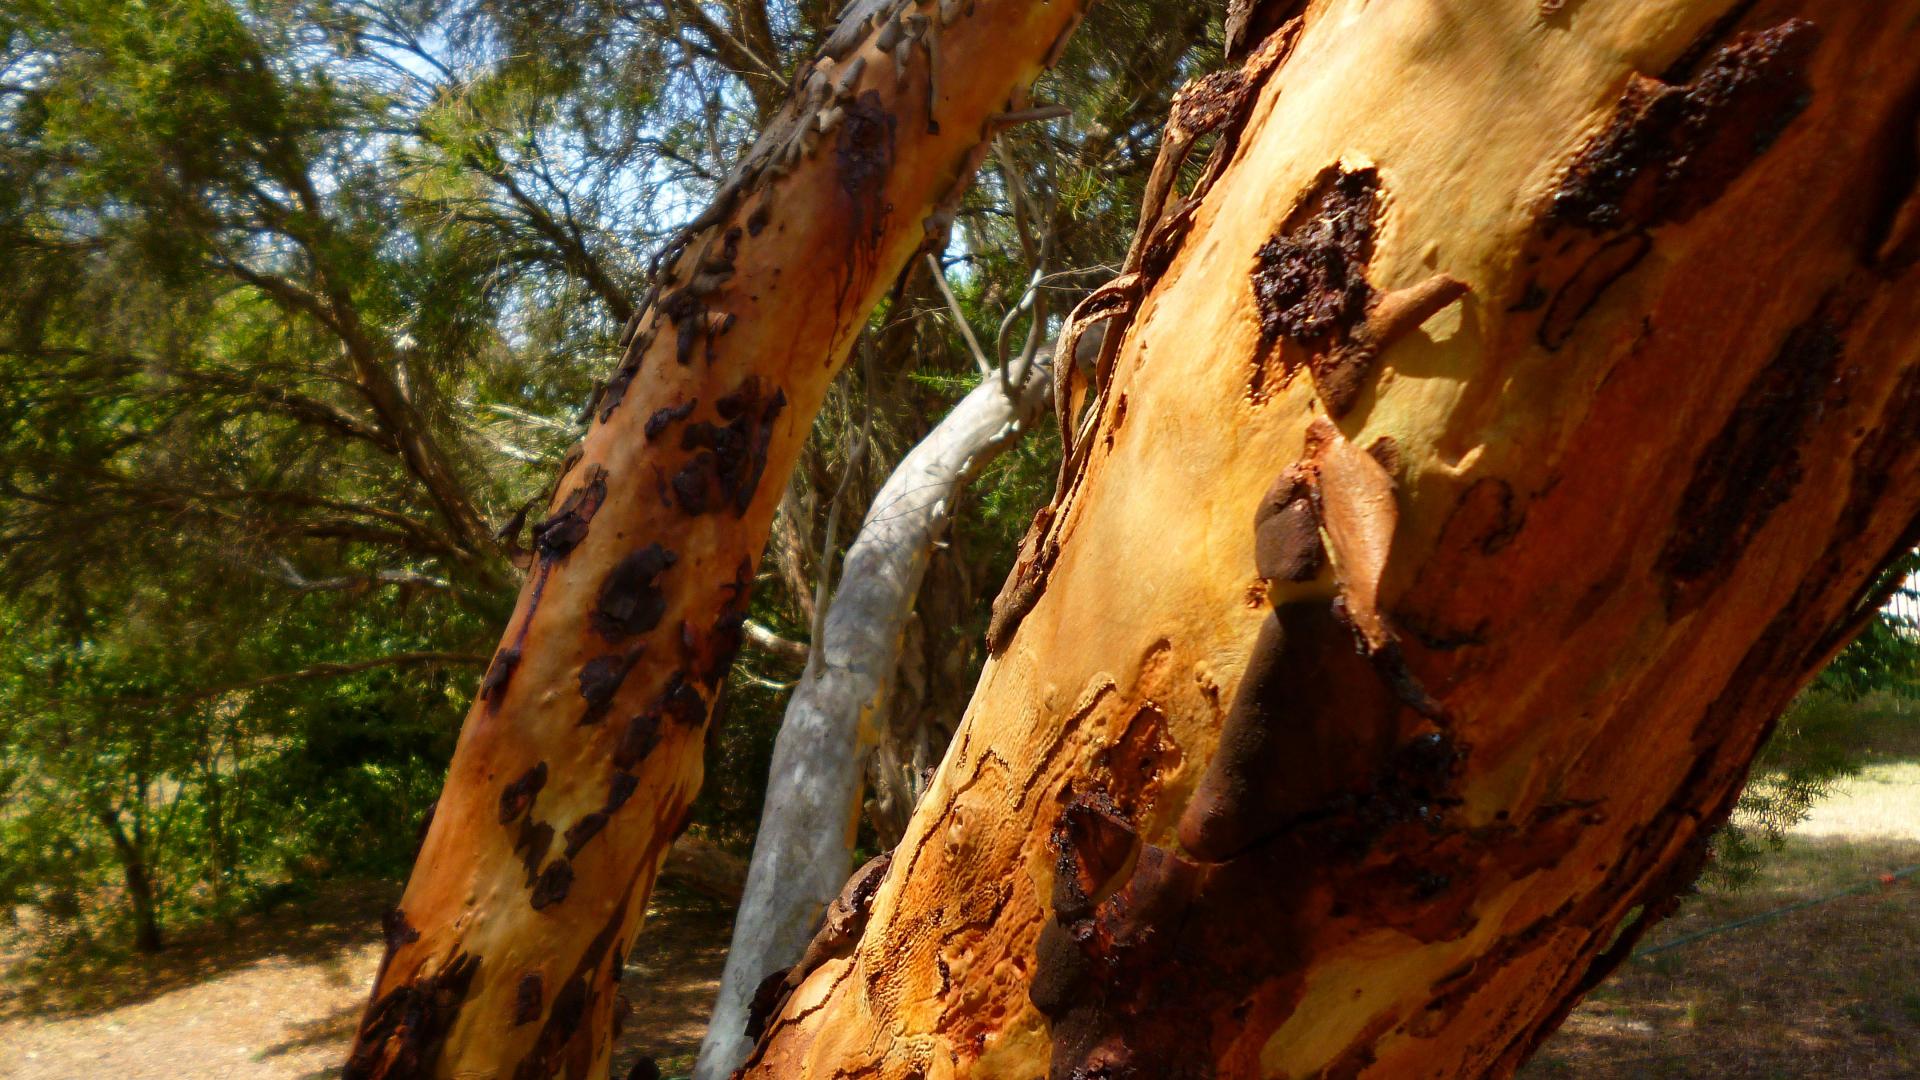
(584,830)
(620,789)
(552,886)
(631,601)
(535,838)
(527,999)
(404,1030)
(517,797)
(681,703)
(641,736)
(600,679)
(1753,464)
(617,386)
(1671,150)
(864,157)
(668,415)
(574,1001)
(766,998)
(1310,279)
(396,929)
(563,531)
(1311,720)
(730,457)
(494,686)
(1286,532)
(688,313)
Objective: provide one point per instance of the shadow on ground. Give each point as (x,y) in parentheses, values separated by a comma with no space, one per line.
(1831,990)
(87,981)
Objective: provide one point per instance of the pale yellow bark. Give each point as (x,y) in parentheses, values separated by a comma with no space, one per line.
(1633,483)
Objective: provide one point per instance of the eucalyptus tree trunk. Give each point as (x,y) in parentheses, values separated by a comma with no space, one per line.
(803,851)
(1515,418)
(581,754)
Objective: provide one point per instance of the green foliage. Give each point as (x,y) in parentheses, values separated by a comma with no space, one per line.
(1824,735)
(299,300)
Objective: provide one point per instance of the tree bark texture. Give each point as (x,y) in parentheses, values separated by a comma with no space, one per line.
(1512,422)
(582,752)
(803,851)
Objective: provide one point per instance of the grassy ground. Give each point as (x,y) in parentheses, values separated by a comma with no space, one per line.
(1832,990)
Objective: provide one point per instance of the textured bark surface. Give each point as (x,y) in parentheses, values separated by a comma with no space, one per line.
(1510,427)
(581,755)
(803,851)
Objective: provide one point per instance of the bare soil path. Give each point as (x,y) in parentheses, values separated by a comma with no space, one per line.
(277,998)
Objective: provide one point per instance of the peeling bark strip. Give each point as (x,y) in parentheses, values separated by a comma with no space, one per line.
(749,315)
(1438,725)
(412,1022)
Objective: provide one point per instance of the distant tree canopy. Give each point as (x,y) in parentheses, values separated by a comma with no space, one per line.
(300,307)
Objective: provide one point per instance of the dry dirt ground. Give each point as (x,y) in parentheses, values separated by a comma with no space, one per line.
(1832,990)
(277,997)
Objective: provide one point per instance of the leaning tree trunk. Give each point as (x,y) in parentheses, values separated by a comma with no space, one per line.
(1514,422)
(582,753)
(804,847)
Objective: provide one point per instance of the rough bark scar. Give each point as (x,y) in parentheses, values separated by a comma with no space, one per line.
(631,601)
(1668,152)
(561,532)
(1310,280)
(1092,842)
(1311,292)
(1024,584)
(1672,150)
(1753,463)
(517,797)
(404,1031)
(635,346)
